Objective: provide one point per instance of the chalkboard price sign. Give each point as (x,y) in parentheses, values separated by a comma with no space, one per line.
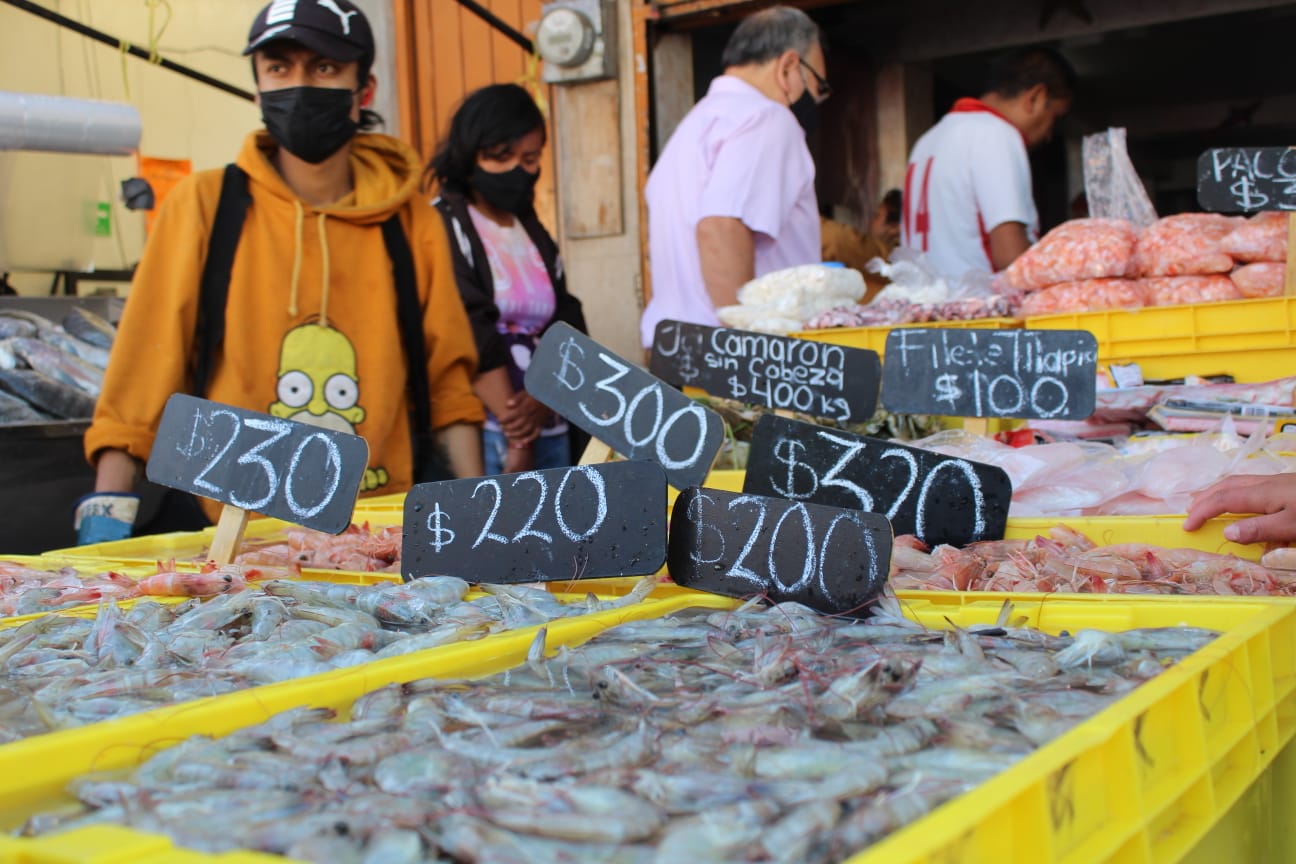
(636,414)
(829,559)
(815,378)
(1039,374)
(937,498)
(1246,179)
(562,523)
(292,471)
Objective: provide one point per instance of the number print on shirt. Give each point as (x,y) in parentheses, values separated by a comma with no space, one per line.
(920,225)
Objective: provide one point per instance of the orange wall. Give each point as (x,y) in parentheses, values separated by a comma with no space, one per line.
(444,52)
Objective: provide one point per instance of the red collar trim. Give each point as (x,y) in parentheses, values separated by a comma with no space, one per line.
(968,105)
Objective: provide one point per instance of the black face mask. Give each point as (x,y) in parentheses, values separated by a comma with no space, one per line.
(312,123)
(806,111)
(511,191)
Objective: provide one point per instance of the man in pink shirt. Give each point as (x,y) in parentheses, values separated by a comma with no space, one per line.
(732,196)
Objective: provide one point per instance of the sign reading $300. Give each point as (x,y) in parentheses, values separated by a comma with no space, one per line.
(638,415)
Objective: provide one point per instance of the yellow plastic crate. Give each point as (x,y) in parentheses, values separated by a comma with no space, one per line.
(35,771)
(1252,340)
(185,547)
(874,338)
(1103,530)
(180,545)
(1142,781)
(113,844)
(1157,530)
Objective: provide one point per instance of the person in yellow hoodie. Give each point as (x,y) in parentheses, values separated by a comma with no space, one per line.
(311,286)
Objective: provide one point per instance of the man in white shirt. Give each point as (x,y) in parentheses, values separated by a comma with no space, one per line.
(732,196)
(967,195)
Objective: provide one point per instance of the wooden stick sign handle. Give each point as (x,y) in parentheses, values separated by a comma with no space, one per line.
(595,452)
(1289,280)
(229,533)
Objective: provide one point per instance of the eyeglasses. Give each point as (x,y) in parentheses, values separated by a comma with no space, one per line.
(824,89)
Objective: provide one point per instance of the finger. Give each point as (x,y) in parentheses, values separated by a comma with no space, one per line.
(1234,498)
(1277,527)
(1210,505)
(515,424)
(1229,484)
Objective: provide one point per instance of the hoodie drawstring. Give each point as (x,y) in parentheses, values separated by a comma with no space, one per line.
(297,262)
(324,288)
(297,259)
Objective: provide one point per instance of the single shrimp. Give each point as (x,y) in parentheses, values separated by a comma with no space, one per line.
(909,541)
(585,813)
(794,835)
(1279,559)
(960,566)
(885,814)
(1070,538)
(1089,648)
(853,695)
(210,583)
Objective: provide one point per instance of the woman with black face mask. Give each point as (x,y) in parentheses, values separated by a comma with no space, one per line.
(507,267)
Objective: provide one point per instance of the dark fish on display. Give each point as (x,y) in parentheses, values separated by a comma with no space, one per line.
(14,410)
(44,357)
(89,327)
(47,394)
(54,334)
(69,344)
(12,325)
(40,322)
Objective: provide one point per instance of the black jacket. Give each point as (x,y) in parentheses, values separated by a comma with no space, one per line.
(477,287)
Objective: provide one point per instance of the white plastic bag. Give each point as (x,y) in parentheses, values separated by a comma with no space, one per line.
(1112,186)
(915,280)
(782,301)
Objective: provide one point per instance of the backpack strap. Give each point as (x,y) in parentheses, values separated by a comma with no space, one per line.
(410,317)
(227,227)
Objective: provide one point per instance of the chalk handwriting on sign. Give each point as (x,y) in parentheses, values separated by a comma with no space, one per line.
(938,498)
(291,471)
(1246,179)
(563,523)
(829,559)
(1044,374)
(636,414)
(776,371)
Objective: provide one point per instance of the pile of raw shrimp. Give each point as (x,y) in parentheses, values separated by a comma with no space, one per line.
(1068,561)
(60,671)
(29,590)
(358,549)
(750,735)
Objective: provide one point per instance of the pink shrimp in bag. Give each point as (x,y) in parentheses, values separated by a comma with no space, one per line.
(1183,245)
(1074,251)
(1264,279)
(1262,238)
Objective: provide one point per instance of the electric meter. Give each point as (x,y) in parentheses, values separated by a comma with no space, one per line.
(575,38)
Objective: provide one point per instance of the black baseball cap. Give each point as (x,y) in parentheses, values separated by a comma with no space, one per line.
(336,29)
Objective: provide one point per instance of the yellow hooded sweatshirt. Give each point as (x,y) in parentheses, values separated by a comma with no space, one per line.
(311,327)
